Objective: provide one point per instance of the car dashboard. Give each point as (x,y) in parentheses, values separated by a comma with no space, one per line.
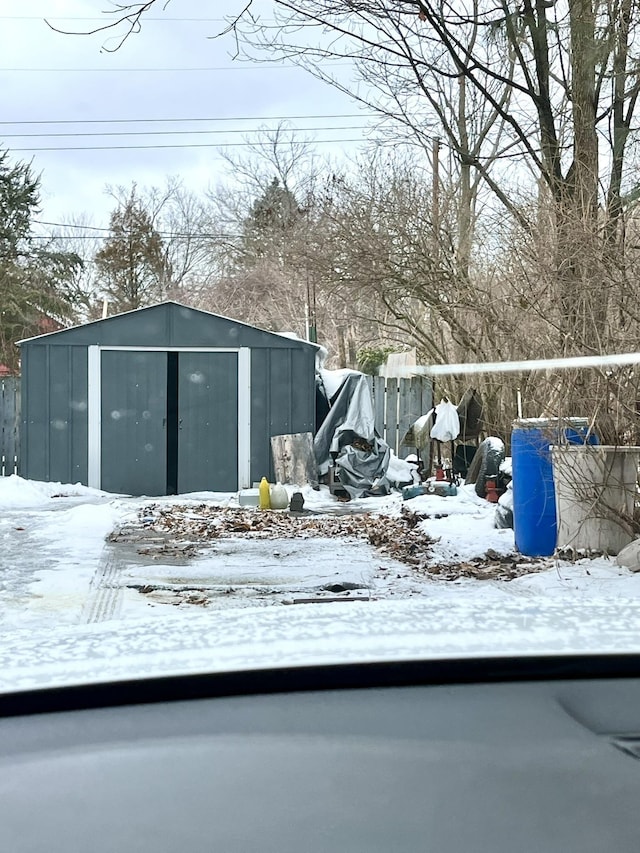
(531,764)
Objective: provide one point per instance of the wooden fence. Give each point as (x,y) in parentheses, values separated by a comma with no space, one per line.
(9,425)
(397,404)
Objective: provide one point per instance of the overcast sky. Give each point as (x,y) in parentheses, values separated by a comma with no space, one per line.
(53,84)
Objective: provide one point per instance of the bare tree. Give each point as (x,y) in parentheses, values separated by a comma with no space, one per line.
(558,83)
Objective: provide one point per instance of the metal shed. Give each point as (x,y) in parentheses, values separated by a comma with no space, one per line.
(162,400)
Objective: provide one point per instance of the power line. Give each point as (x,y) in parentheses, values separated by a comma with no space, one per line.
(199,119)
(105,230)
(104,19)
(165,235)
(102,133)
(253,66)
(68,225)
(177,145)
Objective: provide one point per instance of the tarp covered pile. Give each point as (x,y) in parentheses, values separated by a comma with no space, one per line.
(347,438)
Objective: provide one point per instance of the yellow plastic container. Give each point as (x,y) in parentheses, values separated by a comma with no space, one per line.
(265,494)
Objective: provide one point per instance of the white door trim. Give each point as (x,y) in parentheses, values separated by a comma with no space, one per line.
(244,418)
(173,349)
(94,407)
(94,416)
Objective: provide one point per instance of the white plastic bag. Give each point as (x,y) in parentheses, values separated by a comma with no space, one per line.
(447,425)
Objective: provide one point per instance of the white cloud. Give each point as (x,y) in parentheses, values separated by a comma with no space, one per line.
(63,88)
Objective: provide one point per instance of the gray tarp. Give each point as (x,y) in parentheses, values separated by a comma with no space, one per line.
(363,472)
(350,417)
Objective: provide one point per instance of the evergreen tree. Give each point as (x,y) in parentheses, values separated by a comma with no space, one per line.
(37,284)
(131,266)
(272,219)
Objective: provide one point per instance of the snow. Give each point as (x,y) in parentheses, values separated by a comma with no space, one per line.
(16,492)
(506,466)
(463,526)
(73,605)
(333,379)
(400,471)
(314,635)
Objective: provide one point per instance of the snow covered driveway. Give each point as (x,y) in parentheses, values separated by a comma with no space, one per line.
(71,556)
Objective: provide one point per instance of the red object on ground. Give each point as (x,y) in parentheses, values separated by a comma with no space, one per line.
(439,474)
(492,492)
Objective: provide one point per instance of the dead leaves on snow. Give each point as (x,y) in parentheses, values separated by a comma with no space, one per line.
(176,530)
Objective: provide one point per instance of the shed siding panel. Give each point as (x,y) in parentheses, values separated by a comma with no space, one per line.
(194,328)
(303,391)
(281,396)
(59,414)
(78,414)
(140,329)
(261,462)
(35,391)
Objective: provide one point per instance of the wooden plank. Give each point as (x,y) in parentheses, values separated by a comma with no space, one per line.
(426,393)
(294,461)
(4,440)
(391,414)
(320,598)
(9,416)
(409,408)
(379,405)
(3,413)
(18,392)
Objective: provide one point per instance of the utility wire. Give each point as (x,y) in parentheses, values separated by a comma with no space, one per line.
(253,66)
(177,145)
(178,132)
(104,230)
(68,225)
(163,234)
(215,118)
(105,19)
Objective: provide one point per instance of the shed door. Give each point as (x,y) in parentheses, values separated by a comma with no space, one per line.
(207,422)
(133,409)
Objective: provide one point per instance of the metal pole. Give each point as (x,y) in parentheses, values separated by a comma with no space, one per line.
(569,363)
(435,194)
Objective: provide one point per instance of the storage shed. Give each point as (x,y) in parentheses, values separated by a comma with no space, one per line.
(162,400)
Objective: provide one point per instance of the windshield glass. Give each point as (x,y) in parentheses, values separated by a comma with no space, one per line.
(317,338)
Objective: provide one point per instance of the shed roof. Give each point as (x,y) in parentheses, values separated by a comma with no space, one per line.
(168,324)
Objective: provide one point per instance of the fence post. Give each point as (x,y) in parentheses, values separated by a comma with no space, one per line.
(378,405)
(391,414)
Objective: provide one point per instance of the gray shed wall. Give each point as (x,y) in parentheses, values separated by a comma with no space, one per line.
(55,393)
(54,414)
(283,401)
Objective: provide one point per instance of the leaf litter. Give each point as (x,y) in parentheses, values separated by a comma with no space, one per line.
(178,531)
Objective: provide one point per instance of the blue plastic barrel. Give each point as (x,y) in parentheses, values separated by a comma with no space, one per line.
(534,498)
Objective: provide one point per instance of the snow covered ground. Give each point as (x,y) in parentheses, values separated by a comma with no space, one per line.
(62,583)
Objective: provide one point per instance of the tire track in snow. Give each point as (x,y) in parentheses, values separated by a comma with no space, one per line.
(105,594)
